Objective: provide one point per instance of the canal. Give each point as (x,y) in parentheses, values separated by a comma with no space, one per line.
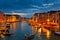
(19,29)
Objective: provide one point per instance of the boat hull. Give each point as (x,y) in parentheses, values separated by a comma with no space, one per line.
(57,33)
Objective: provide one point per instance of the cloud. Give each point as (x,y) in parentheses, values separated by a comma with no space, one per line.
(23,12)
(17,10)
(52,3)
(13,13)
(36,6)
(43,5)
(19,13)
(31,9)
(56,2)
(49,4)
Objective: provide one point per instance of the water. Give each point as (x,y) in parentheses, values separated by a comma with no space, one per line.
(19,29)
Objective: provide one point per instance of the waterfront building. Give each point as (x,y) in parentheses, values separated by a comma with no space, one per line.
(50,17)
(2,19)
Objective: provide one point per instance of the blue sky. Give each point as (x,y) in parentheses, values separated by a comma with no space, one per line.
(29,6)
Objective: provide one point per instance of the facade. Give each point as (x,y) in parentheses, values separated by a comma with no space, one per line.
(2,17)
(51,17)
(11,18)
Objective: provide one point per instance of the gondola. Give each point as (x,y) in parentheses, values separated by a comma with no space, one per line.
(30,37)
(8,34)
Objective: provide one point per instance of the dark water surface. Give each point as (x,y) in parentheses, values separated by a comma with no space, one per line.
(19,29)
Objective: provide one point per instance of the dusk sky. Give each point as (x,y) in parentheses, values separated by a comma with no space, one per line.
(29,6)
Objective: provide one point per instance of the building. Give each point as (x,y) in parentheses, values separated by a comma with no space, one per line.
(2,17)
(51,17)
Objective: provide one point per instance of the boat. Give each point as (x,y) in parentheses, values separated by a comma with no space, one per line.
(5,30)
(57,33)
(26,38)
(30,37)
(8,31)
(8,34)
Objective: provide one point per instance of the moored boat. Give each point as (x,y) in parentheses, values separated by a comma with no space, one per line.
(57,33)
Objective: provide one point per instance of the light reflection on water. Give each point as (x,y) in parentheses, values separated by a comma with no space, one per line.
(21,28)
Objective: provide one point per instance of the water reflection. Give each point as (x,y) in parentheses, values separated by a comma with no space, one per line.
(44,34)
(48,34)
(14,26)
(19,29)
(22,24)
(11,28)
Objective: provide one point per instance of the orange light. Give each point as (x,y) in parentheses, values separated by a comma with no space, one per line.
(48,34)
(48,20)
